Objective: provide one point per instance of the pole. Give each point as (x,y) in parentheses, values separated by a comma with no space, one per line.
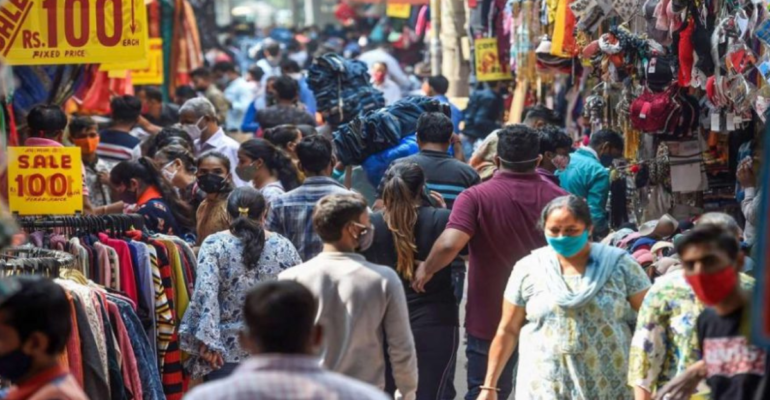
(435,38)
(454,67)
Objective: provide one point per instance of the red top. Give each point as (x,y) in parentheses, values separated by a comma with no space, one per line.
(53,383)
(501,216)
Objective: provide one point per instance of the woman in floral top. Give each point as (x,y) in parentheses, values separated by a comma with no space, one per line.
(229,264)
(571,305)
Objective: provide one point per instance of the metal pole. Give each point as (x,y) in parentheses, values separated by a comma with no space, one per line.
(435,36)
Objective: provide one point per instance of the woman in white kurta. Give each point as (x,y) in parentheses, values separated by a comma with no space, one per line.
(572,306)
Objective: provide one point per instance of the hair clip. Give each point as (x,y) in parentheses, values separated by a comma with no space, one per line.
(243,211)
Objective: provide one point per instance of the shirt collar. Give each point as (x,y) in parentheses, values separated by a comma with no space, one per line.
(501,174)
(338,255)
(589,150)
(543,171)
(30,387)
(151,193)
(42,142)
(288,362)
(433,153)
(214,141)
(321,180)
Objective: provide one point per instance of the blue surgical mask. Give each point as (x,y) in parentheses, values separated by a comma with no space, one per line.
(568,246)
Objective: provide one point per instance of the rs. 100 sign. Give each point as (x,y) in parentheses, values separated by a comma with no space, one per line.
(72,31)
(45,180)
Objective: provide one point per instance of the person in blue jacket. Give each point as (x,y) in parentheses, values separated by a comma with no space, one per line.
(587,175)
(437,87)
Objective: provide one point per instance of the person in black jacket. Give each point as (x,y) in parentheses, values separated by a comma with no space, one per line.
(484,113)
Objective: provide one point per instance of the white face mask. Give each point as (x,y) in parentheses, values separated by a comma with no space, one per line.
(194,130)
(169,175)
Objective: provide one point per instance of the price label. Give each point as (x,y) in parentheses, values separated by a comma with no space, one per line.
(45,180)
(72,31)
(398,10)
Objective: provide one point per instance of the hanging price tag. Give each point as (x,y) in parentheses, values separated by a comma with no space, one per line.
(72,31)
(715,122)
(45,180)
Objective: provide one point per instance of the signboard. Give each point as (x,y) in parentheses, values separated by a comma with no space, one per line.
(39,32)
(488,67)
(398,10)
(45,180)
(148,71)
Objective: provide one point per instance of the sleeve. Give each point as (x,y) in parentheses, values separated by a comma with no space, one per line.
(398,335)
(750,206)
(633,276)
(464,213)
(650,342)
(200,324)
(273,222)
(519,288)
(250,124)
(598,191)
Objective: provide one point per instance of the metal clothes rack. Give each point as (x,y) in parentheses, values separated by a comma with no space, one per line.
(118,223)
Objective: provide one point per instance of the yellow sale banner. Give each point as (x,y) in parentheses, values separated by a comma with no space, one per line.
(398,10)
(45,180)
(39,32)
(488,67)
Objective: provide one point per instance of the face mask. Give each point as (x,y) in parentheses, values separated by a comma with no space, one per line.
(169,175)
(606,160)
(87,145)
(128,197)
(378,76)
(211,183)
(15,365)
(568,246)
(712,288)
(194,130)
(365,237)
(246,173)
(560,162)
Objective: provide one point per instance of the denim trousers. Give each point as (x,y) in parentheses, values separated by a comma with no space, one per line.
(477,352)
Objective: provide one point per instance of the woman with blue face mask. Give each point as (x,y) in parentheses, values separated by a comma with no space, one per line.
(572,304)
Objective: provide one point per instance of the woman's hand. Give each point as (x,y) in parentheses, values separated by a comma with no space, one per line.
(212,357)
(438,198)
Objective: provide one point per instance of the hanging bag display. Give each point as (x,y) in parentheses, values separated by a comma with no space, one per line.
(656,112)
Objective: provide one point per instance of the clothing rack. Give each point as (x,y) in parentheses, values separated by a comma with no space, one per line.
(27,260)
(119,223)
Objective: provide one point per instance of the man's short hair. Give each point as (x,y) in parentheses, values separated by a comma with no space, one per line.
(607,136)
(80,124)
(40,305)
(315,153)
(541,112)
(518,147)
(439,84)
(434,127)
(256,72)
(286,88)
(126,108)
(273,49)
(710,234)
(46,120)
(280,316)
(290,66)
(224,67)
(153,93)
(721,220)
(199,107)
(553,138)
(202,72)
(332,213)
(185,92)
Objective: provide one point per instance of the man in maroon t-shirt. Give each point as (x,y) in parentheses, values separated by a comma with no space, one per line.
(498,221)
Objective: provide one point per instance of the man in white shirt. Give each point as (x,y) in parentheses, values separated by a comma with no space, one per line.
(271,64)
(381,81)
(281,336)
(198,118)
(380,54)
(238,92)
(362,305)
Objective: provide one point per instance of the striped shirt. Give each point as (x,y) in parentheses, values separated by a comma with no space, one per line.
(277,376)
(291,214)
(116,146)
(443,174)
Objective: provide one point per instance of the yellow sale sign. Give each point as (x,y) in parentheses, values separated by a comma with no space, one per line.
(45,180)
(488,66)
(398,10)
(38,32)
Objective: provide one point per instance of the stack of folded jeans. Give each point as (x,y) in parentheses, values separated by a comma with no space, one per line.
(342,89)
(376,131)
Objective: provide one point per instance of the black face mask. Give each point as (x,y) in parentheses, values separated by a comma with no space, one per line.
(211,183)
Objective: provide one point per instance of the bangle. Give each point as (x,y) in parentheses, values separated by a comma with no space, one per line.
(489,388)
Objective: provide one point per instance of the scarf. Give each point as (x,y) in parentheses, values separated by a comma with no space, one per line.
(601,265)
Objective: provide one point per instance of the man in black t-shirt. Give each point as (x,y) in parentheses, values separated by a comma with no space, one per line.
(732,367)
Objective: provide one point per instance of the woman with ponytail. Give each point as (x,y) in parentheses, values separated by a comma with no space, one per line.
(404,233)
(269,169)
(230,263)
(141,184)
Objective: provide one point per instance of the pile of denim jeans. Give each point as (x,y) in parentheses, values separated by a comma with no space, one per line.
(379,130)
(342,89)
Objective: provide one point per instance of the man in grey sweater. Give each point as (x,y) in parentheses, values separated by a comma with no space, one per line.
(362,305)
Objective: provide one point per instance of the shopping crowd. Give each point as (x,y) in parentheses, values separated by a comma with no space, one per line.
(306,289)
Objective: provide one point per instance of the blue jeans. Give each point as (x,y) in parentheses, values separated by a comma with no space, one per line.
(477,352)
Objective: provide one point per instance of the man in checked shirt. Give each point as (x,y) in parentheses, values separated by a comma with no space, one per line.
(282,336)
